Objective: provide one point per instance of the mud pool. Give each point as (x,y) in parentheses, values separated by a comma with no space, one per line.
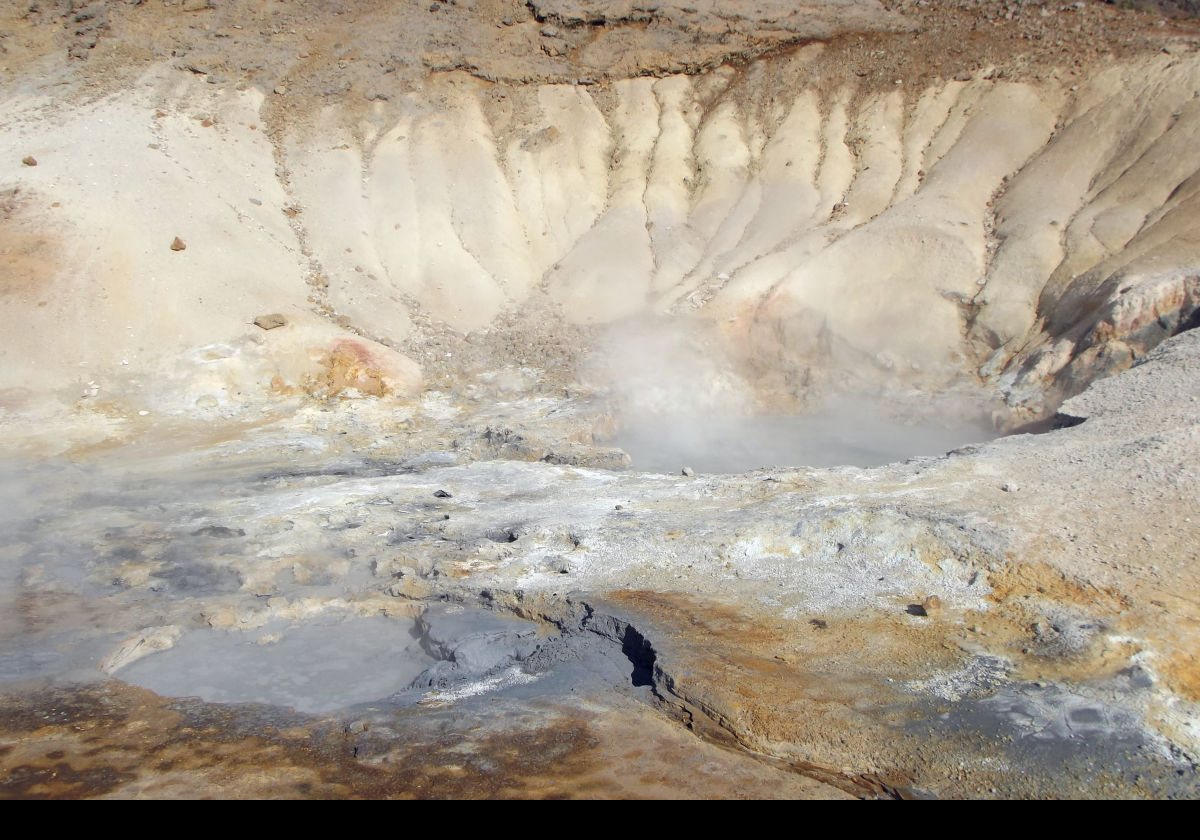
(665,443)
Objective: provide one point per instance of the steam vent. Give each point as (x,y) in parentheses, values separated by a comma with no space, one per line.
(577,399)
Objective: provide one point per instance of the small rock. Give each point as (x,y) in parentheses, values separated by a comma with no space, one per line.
(916,609)
(29,160)
(688,471)
(270,322)
(556,565)
(931,604)
(177,244)
(257,202)
(819,623)
(1010,487)
(442,494)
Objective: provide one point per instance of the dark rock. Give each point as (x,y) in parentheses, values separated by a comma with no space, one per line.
(218,531)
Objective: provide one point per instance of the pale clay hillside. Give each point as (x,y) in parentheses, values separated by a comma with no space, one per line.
(636,399)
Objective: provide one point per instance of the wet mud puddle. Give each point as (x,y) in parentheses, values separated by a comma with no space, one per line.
(134,575)
(332,662)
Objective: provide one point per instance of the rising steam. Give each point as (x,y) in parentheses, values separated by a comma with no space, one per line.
(681,399)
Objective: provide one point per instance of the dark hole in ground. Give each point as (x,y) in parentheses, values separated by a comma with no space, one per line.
(640,654)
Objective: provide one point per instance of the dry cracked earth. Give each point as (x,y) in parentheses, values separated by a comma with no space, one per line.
(566,399)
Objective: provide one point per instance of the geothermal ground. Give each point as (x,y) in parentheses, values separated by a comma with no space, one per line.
(568,399)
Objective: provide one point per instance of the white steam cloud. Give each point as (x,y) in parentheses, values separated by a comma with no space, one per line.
(680,401)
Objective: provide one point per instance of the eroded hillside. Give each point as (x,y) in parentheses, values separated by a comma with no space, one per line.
(321,324)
